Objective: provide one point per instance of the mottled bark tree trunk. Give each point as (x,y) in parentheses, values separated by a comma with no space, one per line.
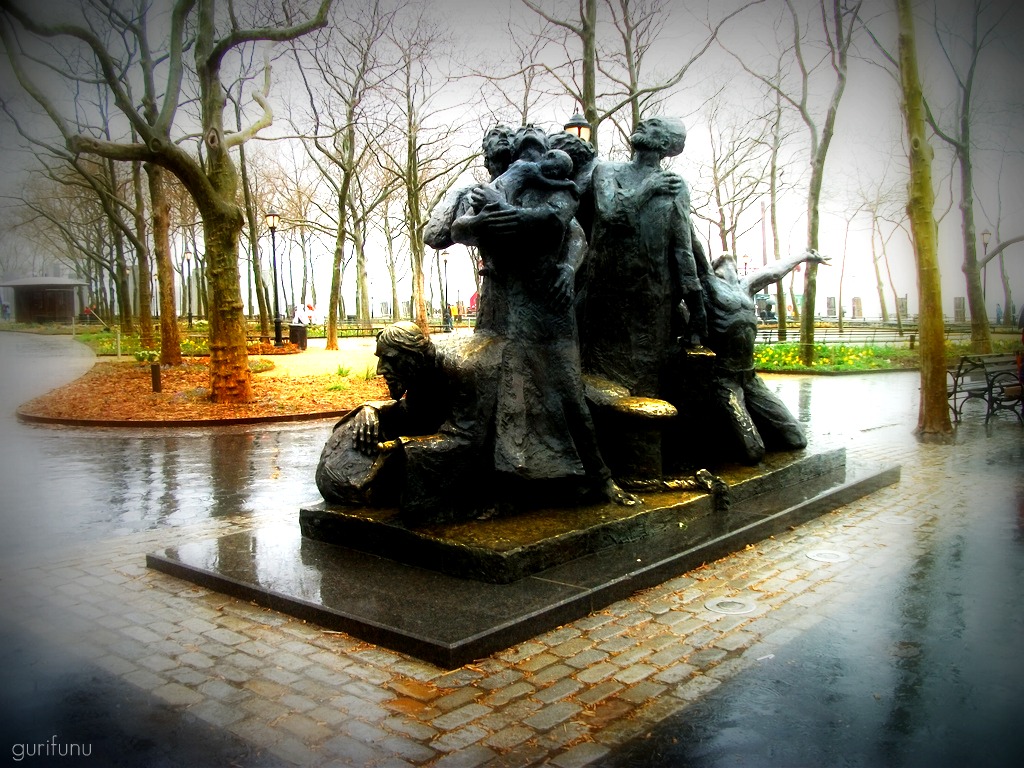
(933,417)
(230,380)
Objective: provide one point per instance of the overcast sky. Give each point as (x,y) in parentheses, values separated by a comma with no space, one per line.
(866,148)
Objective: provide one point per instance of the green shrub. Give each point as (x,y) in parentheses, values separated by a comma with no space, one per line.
(147,355)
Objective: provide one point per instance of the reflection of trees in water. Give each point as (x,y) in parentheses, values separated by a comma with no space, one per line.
(283,565)
(804,400)
(231,476)
(231,472)
(137,479)
(1020,511)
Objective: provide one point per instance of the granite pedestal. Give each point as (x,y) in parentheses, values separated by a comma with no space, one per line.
(454,593)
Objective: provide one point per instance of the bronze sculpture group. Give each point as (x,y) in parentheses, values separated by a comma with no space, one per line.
(602,332)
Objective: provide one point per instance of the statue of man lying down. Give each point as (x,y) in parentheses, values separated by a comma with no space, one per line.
(430,449)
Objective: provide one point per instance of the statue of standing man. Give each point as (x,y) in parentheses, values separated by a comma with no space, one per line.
(641,290)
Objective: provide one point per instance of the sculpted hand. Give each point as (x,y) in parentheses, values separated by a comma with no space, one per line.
(817,258)
(366,433)
(664,183)
(684,311)
(482,195)
(500,222)
(563,289)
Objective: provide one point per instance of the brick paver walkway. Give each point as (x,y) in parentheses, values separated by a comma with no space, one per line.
(311,697)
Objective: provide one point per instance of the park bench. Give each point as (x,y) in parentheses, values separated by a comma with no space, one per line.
(993,379)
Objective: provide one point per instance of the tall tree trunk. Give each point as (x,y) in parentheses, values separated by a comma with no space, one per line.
(230,380)
(819,152)
(981,336)
(589,39)
(334,305)
(170,337)
(414,215)
(773,202)
(362,276)
(1009,318)
(254,251)
(933,417)
(122,285)
(879,285)
(142,257)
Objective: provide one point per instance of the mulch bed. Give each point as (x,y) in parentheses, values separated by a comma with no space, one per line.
(122,391)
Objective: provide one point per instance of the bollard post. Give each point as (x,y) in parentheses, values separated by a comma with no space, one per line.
(912,337)
(154,374)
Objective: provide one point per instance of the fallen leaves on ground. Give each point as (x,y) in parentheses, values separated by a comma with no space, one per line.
(123,391)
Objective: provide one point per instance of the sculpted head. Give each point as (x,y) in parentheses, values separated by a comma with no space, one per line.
(581,152)
(497,148)
(664,135)
(556,164)
(401,356)
(725,267)
(528,136)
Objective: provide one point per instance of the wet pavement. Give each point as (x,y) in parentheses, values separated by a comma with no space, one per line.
(905,651)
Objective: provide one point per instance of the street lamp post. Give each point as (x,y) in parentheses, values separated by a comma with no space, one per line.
(578,126)
(447,309)
(273,219)
(985,236)
(188,285)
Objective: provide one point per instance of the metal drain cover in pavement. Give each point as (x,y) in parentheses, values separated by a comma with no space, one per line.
(828,556)
(897,520)
(730,605)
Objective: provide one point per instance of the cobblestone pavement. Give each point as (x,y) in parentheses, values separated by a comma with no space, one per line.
(291,693)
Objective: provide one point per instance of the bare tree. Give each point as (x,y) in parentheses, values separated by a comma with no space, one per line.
(515,96)
(616,60)
(838,19)
(341,115)
(884,200)
(737,175)
(999,250)
(193,26)
(427,164)
(390,223)
(963,52)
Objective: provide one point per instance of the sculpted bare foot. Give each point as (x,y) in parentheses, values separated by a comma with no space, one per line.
(615,494)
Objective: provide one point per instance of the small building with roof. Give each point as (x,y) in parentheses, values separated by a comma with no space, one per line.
(43,299)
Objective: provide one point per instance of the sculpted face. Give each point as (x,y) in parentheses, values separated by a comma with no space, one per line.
(529,135)
(498,141)
(399,368)
(667,136)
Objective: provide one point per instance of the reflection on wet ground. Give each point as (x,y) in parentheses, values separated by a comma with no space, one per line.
(62,488)
(918,666)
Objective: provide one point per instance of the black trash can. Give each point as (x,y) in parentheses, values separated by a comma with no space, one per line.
(297,334)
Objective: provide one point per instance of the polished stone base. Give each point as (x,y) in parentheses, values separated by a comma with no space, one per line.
(449,620)
(507,548)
